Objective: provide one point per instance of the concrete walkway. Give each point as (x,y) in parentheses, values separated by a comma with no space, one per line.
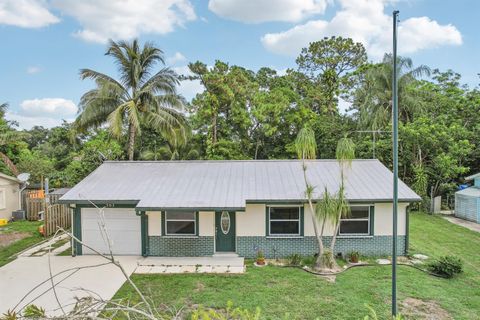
(464,223)
(20,276)
(214,264)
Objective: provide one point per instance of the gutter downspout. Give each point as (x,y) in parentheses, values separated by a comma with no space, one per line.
(20,204)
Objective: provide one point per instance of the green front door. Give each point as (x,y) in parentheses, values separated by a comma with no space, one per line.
(225,231)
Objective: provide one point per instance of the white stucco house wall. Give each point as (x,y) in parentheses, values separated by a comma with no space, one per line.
(202,208)
(9,195)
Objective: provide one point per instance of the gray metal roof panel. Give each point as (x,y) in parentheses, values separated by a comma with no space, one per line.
(230,184)
(470,191)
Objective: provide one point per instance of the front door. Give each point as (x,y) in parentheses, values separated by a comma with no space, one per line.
(225,231)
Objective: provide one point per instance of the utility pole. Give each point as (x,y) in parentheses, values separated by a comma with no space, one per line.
(395,165)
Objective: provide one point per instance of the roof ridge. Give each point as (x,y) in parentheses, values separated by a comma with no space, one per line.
(226,161)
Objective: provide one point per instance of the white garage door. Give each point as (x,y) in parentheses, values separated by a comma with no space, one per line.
(123,228)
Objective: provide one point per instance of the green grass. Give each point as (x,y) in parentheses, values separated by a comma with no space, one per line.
(8,253)
(279,291)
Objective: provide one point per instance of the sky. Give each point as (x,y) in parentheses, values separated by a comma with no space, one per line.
(44,43)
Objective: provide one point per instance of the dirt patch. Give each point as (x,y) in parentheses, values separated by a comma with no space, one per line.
(7,239)
(413,308)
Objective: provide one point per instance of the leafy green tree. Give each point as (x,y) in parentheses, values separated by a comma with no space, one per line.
(138,97)
(220,113)
(330,64)
(98,149)
(9,137)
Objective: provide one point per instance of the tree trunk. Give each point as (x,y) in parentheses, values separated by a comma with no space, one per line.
(214,129)
(318,261)
(131,142)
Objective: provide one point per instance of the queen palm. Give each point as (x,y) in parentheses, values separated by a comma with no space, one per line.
(374,98)
(138,97)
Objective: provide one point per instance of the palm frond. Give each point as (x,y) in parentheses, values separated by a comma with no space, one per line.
(305,144)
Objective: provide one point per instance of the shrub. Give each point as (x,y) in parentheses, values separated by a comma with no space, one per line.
(294,259)
(447,266)
(354,256)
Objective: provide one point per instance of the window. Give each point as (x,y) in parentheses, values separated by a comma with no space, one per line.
(180,223)
(357,222)
(284,221)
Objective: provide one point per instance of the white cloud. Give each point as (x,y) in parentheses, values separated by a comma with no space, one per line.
(27,122)
(26,13)
(177,57)
(365,21)
(58,107)
(257,11)
(33,70)
(123,20)
(188,88)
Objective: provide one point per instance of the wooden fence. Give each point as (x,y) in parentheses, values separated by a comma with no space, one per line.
(56,215)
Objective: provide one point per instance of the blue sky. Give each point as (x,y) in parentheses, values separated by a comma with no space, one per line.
(45,42)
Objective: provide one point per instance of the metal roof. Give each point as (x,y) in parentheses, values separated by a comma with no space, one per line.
(470,191)
(473,176)
(230,184)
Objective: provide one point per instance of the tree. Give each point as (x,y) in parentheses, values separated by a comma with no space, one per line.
(337,207)
(8,137)
(136,98)
(373,99)
(330,63)
(306,148)
(221,112)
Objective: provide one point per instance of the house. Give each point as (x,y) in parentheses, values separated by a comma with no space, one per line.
(9,195)
(467,201)
(200,208)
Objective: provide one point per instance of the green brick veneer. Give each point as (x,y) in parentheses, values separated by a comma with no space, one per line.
(180,247)
(283,247)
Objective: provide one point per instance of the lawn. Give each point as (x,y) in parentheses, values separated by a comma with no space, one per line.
(281,291)
(24,233)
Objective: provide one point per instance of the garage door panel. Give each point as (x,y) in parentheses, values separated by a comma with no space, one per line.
(123,227)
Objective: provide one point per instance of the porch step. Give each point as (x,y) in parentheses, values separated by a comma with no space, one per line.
(225,255)
(213,264)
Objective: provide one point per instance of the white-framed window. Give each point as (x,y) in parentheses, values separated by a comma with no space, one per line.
(181,223)
(3,203)
(284,220)
(357,223)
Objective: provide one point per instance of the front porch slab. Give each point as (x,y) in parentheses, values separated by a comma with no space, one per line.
(213,264)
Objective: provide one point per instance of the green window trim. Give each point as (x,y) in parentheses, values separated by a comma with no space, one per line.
(164,229)
(301,221)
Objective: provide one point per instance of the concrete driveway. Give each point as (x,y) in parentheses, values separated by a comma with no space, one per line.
(20,276)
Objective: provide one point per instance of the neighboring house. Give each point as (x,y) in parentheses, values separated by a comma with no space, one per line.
(467,201)
(200,208)
(9,195)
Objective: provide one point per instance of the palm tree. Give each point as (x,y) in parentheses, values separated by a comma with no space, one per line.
(138,97)
(306,148)
(175,148)
(374,98)
(331,207)
(337,206)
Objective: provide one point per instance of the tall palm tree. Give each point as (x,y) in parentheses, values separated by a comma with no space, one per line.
(374,97)
(137,97)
